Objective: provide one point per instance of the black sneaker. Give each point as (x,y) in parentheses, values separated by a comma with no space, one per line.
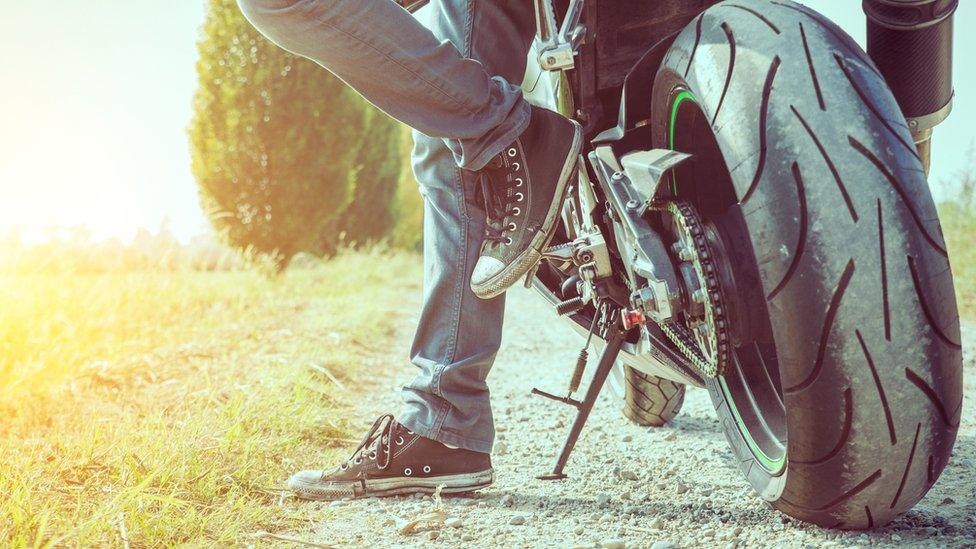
(523,190)
(393,461)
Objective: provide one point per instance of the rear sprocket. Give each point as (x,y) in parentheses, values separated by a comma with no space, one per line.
(702,331)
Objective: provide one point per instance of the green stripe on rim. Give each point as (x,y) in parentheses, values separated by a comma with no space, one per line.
(682,96)
(773,466)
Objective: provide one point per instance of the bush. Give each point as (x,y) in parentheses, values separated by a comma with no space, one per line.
(958,218)
(408,229)
(288,159)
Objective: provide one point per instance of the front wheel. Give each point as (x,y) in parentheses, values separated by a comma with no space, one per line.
(647,400)
(844,392)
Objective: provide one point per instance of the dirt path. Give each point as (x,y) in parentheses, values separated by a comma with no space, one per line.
(688,493)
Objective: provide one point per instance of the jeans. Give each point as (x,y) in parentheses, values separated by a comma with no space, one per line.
(452,84)
(400,66)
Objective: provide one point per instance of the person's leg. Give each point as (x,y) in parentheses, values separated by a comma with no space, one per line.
(459,334)
(527,154)
(397,64)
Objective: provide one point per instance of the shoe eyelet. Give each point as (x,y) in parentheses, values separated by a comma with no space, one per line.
(508,241)
(426,468)
(518,182)
(358,460)
(516,211)
(520,196)
(399,441)
(512,152)
(512,226)
(372,455)
(517,166)
(344,466)
(408,471)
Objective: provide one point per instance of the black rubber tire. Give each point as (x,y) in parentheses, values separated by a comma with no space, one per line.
(849,254)
(649,400)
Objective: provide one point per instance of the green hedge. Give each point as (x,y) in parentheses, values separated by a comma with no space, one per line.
(287,158)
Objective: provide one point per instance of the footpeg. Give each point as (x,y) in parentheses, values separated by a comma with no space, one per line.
(565,400)
(570,306)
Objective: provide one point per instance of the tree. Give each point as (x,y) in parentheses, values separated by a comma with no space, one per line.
(287,158)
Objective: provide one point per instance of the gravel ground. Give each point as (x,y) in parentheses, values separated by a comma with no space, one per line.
(629,486)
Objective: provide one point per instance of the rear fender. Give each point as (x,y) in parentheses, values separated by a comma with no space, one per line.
(635,104)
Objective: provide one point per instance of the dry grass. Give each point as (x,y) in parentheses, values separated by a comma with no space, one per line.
(959,226)
(167,408)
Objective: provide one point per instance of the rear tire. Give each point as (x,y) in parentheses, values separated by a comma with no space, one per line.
(798,142)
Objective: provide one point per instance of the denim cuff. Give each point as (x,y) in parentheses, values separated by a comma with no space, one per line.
(521,122)
(412,423)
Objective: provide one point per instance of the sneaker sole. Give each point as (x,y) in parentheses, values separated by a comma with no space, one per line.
(529,258)
(398,486)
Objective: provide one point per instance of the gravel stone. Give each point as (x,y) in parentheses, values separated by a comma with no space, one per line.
(627,474)
(688,483)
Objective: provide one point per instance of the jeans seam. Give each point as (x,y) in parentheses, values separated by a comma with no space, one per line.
(469,29)
(463,202)
(462,265)
(463,104)
(451,354)
(442,417)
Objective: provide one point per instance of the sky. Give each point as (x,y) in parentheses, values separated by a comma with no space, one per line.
(96,99)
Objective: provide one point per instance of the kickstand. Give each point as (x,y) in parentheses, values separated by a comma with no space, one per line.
(615,340)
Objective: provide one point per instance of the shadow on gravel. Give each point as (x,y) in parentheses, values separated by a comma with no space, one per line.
(945,516)
(696,424)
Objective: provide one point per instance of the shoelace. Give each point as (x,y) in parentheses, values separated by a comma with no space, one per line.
(499,197)
(379,437)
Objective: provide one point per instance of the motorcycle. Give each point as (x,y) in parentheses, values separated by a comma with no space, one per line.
(752,217)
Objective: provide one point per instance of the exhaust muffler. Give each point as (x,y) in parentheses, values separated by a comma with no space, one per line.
(911,43)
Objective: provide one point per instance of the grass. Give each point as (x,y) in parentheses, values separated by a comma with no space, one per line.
(166,409)
(959,226)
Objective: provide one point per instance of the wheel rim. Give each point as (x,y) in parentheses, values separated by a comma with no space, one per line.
(752,388)
(751,392)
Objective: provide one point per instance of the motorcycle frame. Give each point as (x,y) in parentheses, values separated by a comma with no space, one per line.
(563,74)
(572,87)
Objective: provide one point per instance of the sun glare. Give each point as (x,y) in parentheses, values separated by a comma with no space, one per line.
(67,174)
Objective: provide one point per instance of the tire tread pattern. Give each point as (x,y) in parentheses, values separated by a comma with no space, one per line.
(853,353)
(650,400)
